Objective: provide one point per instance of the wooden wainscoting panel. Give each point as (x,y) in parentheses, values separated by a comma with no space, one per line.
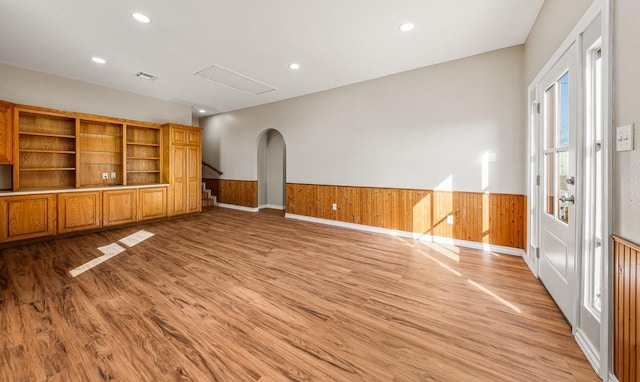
(348,203)
(626,327)
(497,219)
(238,192)
(507,220)
(467,216)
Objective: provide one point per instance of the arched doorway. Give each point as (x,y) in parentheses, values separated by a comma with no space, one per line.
(271,170)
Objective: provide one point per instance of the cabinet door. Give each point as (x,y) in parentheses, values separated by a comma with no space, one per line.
(178,136)
(119,207)
(6,134)
(78,211)
(26,217)
(193,138)
(178,196)
(152,203)
(194,180)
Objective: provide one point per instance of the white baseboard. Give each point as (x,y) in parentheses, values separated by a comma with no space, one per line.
(532,266)
(234,207)
(593,356)
(412,235)
(612,378)
(271,206)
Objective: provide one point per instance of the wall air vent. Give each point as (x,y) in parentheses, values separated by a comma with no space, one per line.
(146,76)
(229,78)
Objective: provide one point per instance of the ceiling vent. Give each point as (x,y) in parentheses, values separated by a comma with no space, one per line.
(146,76)
(229,78)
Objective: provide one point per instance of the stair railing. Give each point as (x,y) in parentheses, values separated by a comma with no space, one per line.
(211,167)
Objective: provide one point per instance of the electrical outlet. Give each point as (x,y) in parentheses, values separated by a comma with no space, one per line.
(449,219)
(334,206)
(113,175)
(105,176)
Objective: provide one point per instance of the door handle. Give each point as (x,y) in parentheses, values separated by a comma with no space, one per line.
(571,199)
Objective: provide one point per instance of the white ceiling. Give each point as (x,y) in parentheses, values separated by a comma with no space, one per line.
(336,42)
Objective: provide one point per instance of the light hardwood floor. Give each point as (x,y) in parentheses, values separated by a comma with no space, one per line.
(234,296)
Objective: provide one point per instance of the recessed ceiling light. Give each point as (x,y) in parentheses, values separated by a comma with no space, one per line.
(141,18)
(98,60)
(406,27)
(202,111)
(294,66)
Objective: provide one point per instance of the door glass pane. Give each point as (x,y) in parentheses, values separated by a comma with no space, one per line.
(563,189)
(549,167)
(563,102)
(550,117)
(598,230)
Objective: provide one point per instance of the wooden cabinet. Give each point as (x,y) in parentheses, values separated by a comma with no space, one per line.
(45,154)
(143,155)
(79,211)
(6,133)
(27,217)
(184,168)
(152,203)
(119,206)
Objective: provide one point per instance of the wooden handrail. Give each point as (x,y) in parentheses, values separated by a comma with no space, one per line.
(211,167)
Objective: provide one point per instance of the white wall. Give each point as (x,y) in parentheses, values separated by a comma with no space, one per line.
(626,110)
(419,129)
(29,87)
(554,23)
(262,169)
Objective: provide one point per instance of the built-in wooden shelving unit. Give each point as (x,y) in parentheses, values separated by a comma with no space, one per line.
(100,153)
(46,151)
(57,149)
(143,153)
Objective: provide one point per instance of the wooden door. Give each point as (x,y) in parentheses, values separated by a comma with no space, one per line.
(26,217)
(178,197)
(119,207)
(6,133)
(194,199)
(79,211)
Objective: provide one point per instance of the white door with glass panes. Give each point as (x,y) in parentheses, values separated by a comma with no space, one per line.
(557,264)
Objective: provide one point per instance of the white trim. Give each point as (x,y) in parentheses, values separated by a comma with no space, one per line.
(412,235)
(271,206)
(593,355)
(612,377)
(572,37)
(607,333)
(530,264)
(234,207)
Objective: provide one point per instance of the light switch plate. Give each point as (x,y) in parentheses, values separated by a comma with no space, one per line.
(624,138)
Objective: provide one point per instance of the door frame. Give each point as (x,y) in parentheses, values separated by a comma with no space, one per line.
(601,359)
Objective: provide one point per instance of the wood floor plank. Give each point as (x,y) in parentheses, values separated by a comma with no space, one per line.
(233,296)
